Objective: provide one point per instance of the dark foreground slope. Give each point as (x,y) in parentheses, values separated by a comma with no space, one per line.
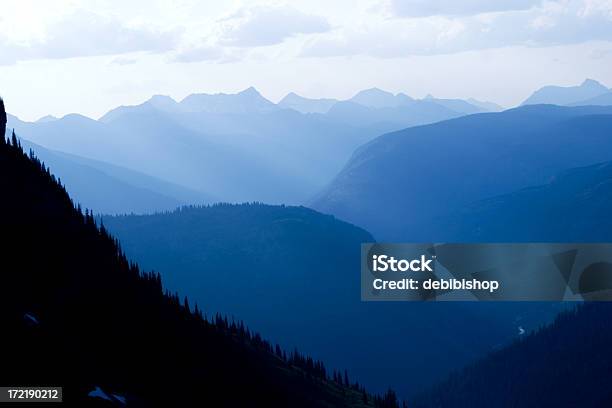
(76,313)
(568,364)
(294,274)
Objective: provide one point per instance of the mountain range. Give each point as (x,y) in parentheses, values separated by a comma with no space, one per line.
(111,189)
(537,172)
(306,105)
(235,147)
(589,92)
(377,98)
(395,185)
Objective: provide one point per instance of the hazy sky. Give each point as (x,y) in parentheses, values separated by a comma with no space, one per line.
(88,56)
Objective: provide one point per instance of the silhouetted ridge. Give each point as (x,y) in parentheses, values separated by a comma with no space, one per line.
(2,119)
(566,364)
(77,313)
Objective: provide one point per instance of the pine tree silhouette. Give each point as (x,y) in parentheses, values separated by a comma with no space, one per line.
(2,120)
(104,322)
(566,364)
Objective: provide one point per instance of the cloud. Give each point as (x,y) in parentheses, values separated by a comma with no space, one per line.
(551,23)
(234,36)
(85,34)
(594,7)
(9,53)
(598,54)
(425,8)
(265,25)
(207,52)
(199,53)
(123,61)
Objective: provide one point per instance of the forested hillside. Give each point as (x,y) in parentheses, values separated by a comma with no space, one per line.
(567,364)
(77,313)
(294,274)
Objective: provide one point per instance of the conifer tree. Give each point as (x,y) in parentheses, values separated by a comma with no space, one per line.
(2,121)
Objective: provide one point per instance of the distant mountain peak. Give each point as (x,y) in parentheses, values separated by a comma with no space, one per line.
(164,98)
(404,97)
(487,105)
(47,118)
(567,95)
(457,105)
(164,102)
(250,91)
(306,105)
(291,97)
(246,101)
(592,83)
(77,117)
(378,98)
(374,91)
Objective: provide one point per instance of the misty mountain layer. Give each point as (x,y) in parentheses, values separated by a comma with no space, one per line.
(238,147)
(109,189)
(397,184)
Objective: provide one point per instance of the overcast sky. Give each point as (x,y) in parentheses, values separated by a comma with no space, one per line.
(88,56)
